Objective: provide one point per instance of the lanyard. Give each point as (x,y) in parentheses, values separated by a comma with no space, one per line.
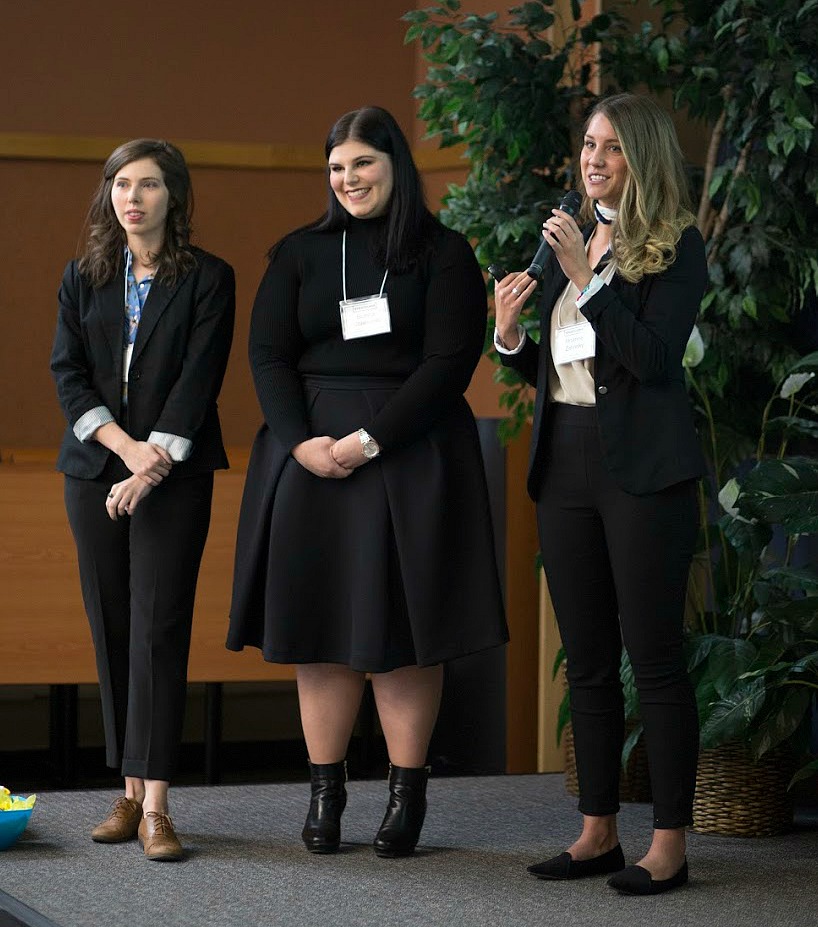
(344,268)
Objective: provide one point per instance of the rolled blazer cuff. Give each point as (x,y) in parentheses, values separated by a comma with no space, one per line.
(87,424)
(500,348)
(178,447)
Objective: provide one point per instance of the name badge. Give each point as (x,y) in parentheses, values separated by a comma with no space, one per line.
(574,342)
(366,316)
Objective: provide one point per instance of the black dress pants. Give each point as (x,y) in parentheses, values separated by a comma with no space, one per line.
(138,577)
(617,566)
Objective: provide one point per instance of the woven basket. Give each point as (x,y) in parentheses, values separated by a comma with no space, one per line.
(738,797)
(634,780)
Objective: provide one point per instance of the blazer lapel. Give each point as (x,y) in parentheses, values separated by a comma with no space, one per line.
(158,298)
(111,302)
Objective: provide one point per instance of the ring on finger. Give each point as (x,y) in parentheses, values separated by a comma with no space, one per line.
(515,291)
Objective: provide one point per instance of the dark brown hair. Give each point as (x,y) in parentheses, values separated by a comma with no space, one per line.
(410,226)
(102,258)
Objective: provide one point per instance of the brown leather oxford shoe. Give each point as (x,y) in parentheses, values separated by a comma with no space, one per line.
(158,838)
(121,824)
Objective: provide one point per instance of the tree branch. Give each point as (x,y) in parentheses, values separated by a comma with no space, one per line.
(704,220)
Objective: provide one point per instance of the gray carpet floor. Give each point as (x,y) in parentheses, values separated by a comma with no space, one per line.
(246,866)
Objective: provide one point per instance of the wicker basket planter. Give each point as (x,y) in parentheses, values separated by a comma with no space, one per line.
(738,797)
(634,780)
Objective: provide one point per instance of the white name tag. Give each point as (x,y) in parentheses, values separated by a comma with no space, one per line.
(368,315)
(574,342)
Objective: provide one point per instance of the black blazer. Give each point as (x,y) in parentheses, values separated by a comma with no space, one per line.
(177,366)
(645,419)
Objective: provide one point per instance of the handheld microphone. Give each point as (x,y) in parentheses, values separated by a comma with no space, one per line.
(570,203)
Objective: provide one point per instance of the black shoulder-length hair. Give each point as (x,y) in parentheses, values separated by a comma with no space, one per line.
(102,257)
(409,223)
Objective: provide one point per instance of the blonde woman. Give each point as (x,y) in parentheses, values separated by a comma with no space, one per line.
(613,468)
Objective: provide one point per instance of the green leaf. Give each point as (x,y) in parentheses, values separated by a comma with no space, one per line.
(784,492)
(802,79)
(793,424)
(747,537)
(717,180)
(801,123)
(663,59)
(782,722)
(809,362)
(732,716)
(799,616)
(416,16)
(788,579)
(804,773)
(806,8)
(728,661)
(630,742)
(629,691)
(559,659)
(412,33)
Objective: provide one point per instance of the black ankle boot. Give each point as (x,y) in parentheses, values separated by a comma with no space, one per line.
(322,829)
(399,832)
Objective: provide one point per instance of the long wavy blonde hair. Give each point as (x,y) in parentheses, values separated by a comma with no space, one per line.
(654,208)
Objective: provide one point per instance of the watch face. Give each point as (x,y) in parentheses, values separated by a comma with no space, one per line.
(370,449)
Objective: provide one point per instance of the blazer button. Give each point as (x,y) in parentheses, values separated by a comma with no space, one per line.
(602,390)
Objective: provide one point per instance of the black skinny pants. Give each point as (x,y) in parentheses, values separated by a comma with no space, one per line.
(138,577)
(617,567)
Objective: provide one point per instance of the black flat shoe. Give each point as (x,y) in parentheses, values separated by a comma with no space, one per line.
(565,867)
(636,880)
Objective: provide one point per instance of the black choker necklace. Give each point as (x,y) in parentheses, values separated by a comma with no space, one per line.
(603,214)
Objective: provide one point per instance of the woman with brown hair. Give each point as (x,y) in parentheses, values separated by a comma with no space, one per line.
(144,328)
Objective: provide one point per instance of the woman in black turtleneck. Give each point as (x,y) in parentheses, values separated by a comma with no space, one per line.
(364,543)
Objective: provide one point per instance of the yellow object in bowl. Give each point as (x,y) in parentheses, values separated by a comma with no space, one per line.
(15,811)
(9,802)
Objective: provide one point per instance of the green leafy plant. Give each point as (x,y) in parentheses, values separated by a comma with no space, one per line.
(514,98)
(753,641)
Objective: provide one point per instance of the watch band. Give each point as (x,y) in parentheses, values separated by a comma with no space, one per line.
(368,444)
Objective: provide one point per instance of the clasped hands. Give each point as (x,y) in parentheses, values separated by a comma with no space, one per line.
(330,459)
(149,464)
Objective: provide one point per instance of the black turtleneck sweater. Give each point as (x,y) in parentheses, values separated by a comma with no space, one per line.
(438,312)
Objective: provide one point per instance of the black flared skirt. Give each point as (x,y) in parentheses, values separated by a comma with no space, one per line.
(392,566)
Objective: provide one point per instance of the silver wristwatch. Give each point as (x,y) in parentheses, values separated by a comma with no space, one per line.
(368,444)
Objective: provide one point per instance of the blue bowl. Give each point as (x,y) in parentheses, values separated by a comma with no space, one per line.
(12,824)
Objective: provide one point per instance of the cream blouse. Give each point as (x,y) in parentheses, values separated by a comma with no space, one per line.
(572,383)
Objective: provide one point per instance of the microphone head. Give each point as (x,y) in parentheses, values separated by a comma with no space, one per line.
(571,203)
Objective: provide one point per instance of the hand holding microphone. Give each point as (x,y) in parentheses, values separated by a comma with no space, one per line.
(513,289)
(570,203)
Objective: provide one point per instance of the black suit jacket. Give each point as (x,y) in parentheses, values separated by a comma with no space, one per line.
(176,371)
(646,426)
